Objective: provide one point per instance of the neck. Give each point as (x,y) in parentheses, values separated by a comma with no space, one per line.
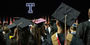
(59,30)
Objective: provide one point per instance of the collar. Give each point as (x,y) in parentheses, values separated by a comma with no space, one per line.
(73,32)
(49,29)
(89,20)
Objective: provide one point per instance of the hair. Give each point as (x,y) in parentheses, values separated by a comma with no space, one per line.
(73,28)
(6,29)
(15,32)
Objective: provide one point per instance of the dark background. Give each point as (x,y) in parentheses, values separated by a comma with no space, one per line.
(42,8)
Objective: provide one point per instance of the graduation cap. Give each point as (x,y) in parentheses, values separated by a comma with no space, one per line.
(22,22)
(63,10)
(39,22)
(11,26)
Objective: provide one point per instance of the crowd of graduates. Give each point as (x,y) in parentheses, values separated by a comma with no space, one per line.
(42,33)
(45,31)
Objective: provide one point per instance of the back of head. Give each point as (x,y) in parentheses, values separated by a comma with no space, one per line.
(6,29)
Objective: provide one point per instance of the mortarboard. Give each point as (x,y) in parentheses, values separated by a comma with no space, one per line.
(11,26)
(22,22)
(63,10)
(40,20)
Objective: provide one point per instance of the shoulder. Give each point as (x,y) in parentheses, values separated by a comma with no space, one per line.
(53,37)
(83,23)
(69,37)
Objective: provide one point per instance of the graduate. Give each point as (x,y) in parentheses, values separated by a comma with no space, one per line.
(65,16)
(83,30)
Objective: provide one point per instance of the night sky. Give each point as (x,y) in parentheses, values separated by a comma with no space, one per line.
(43,8)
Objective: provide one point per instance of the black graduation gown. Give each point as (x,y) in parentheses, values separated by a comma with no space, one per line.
(48,40)
(2,41)
(76,41)
(83,32)
(6,37)
(31,40)
(61,38)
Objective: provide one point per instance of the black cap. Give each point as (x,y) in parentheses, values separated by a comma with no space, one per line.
(63,10)
(11,26)
(22,22)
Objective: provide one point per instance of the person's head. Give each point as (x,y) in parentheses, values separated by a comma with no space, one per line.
(31,27)
(57,23)
(46,24)
(73,27)
(60,24)
(6,29)
(89,13)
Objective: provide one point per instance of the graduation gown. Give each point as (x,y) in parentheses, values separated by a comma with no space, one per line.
(48,40)
(61,39)
(83,32)
(39,31)
(31,40)
(6,37)
(69,38)
(2,41)
(54,39)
